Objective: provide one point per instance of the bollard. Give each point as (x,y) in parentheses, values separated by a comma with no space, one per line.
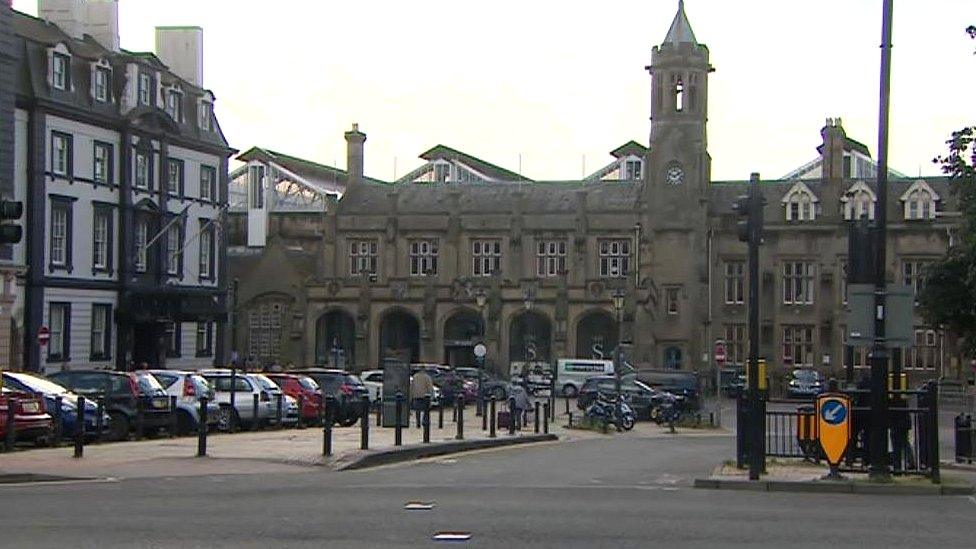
(79,429)
(459,414)
(99,412)
(255,424)
(327,418)
(535,419)
(513,416)
(172,417)
(427,420)
(202,429)
(301,412)
(364,427)
(279,412)
(484,416)
(233,398)
(140,418)
(379,413)
(570,415)
(491,431)
(567,404)
(545,418)
(9,433)
(454,412)
(398,421)
(321,406)
(59,419)
(440,416)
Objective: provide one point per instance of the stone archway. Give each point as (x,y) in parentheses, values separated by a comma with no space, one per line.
(399,336)
(335,339)
(462,330)
(597,334)
(530,338)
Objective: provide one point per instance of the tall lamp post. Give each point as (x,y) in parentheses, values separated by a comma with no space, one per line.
(481,299)
(618,306)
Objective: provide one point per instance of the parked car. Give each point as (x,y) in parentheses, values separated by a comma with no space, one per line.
(347,390)
(677,382)
(37,385)
(735,387)
(122,393)
(188,387)
(373,380)
(639,395)
(31,422)
(804,383)
(572,373)
(246,387)
(295,386)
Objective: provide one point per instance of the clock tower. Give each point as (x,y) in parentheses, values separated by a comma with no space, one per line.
(675,200)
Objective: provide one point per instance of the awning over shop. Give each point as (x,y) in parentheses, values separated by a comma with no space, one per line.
(172,304)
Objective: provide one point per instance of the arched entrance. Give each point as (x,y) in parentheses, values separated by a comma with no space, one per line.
(399,336)
(596,335)
(529,340)
(672,358)
(462,330)
(335,340)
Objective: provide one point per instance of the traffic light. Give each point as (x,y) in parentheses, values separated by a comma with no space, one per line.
(749,208)
(743,208)
(10,233)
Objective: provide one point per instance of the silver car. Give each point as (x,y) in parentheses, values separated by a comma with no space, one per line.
(188,387)
(255,399)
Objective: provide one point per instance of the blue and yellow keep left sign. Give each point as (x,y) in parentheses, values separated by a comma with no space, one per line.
(834,425)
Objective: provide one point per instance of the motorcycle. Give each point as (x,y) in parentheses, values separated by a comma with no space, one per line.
(666,409)
(604,410)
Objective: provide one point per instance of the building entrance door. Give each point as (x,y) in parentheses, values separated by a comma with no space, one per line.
(145,345)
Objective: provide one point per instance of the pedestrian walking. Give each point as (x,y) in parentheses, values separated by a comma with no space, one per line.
(421,389)
(520,396)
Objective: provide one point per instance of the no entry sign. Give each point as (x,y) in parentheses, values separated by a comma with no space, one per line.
(720,352)
(43,336)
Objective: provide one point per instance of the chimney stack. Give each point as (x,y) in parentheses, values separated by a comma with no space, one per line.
(97,18)
(354,154)
(181,49)
(68,15)
(832,150)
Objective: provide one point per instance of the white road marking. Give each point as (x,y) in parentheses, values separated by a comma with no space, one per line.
(452,536)
(419,506)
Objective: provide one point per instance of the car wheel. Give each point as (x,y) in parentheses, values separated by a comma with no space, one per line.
(569,390)
(118,426)
(228,419)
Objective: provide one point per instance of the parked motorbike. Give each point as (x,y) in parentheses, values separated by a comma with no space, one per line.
(604,410)
(666,409)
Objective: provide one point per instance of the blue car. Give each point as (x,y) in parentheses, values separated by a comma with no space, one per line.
(69,402)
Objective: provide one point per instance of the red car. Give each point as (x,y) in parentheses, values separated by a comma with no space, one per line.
(301,388)
(31,422)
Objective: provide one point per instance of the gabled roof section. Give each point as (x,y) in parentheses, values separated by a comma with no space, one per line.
(799,188)
(630,148)
(300,166)
(479,166)
(680,31)
(857,188)
(918,185)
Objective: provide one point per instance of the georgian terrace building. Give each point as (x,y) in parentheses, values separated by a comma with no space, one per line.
(123,167)
(461,251)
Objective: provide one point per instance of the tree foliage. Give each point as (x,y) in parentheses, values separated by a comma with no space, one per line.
(949,297)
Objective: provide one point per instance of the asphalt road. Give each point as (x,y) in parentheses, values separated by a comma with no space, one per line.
(615,492)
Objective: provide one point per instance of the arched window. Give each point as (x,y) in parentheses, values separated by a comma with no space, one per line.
(858,201)
(919,202)
(800,203)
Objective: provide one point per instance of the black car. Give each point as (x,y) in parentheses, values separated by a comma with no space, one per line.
(124,394)
(640,397)
(804,383)
(346,388)
(676,382)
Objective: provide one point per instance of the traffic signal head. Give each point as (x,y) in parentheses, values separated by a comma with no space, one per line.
(10,233)
(10,209)
(742,208)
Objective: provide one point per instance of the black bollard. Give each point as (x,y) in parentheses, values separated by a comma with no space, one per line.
(454,411)
(280,412)
(484,416)
(545,418)
(99,421)
(59,419)
(440,416)
(172,416)
(513,416)
(328,416)
(427,420)
(379,413)
(202,429)
(9,433)
(364,427)
(567,404)
(255,423)
(459,414)
(491,421)
(535,419)
(79,429)
(570,415)
(301,412)
(140,418)
(398,421)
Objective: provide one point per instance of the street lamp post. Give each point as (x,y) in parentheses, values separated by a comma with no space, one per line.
(481,299)
(618,306)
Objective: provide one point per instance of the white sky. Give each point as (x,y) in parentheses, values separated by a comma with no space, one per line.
(552,81)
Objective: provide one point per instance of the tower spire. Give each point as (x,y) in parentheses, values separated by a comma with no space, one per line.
(680,31)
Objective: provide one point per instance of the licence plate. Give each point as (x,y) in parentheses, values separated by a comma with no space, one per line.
(160,404)
(31,407)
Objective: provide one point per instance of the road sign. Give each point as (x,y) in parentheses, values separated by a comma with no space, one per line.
(43,336)
(480,350)
(834,425)
(720,352)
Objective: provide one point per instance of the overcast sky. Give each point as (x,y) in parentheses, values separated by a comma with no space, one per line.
(554,82)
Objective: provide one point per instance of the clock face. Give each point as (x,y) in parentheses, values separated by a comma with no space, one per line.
(675,175)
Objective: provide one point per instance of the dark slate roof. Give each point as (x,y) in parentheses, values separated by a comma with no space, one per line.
(479,197)
(851,145)
(629,148)
(444,152)
(301,166)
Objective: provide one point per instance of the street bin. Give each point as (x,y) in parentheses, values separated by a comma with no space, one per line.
(964,438)
(396,378)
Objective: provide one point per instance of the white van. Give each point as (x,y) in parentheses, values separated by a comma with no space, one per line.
(572,373)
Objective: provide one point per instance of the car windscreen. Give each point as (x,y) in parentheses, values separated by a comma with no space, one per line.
(38,384)
(806,375)
(266,383)
(148,384)
(200,384)
(681,381)
(308,383)
(350,379)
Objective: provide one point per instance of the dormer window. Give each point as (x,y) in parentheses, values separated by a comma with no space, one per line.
(800,203)
(60,71)
(919,202)
(442,172)
(174,104)
(101,83)
(145,86)
(205,115)
(859,202)
(632,169)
